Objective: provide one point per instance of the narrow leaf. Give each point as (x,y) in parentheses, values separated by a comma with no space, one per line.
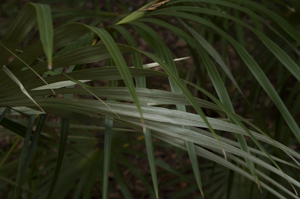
(62,146)
(44,19)
(23,153)
(17,81)
(107,152)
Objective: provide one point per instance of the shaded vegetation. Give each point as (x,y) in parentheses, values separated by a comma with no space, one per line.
(162,99)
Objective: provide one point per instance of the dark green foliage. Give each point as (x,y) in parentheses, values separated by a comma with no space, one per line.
(229,113)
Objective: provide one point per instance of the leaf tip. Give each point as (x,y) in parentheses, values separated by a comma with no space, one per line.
(258,185)
(224,153)
(202,194)
(295,191)
(49,66)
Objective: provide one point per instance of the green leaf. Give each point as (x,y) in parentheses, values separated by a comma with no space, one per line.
(121,64)
(61,151)
(151,158)
(136,56)
(44,19)
(222,93)
(274,48)
(248,132)
(23,24)
(107,154)
(168,133)
(17,81)
(141,83)
(23,153)
(254,68)
(33,145)
(288,28)
(164,52)
(213,53)
(193,157)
